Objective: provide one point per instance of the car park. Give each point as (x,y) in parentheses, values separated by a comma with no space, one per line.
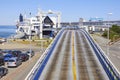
(24,57)
(30,53)
(3,71)
(14,62)
(13,67)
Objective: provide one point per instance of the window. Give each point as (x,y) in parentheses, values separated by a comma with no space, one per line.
(11,61)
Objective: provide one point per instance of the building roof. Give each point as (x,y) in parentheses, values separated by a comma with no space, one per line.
(47,20)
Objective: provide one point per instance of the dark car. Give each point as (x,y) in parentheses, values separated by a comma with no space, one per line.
(7,51)
(3,71)
(16,53)
(30,53)
(24,57)
(1,59)
(1,51)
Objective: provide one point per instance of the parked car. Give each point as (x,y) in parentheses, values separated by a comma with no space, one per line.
(24,57)
(14,62)
(16,53)
(3,71)
(1,51)
(3,40)
(30,53)
(7,57)
(7,51)
(1,59)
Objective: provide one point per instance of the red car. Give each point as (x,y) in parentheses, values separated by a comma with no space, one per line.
(24,57)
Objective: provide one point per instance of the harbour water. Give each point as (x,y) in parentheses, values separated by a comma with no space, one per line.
(7,31)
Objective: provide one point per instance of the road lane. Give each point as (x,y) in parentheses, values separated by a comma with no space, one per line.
(114,50)
(73,59)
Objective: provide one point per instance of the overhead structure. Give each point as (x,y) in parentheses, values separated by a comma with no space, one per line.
(41,16)
(42,25)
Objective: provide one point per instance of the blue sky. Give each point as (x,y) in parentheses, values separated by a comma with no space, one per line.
(71,10)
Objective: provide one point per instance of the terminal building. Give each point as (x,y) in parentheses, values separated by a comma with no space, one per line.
(94,24)
(43,25)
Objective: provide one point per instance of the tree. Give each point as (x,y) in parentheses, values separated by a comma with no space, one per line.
(115,28)
(114,33)
(105,34)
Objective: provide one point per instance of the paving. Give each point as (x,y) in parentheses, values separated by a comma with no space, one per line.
(20,72)
(73,59)
(114,49)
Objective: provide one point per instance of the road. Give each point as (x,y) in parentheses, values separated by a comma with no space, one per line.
(73,59)
(114,50)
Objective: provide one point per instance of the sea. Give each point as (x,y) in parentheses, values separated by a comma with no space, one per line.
(7,31)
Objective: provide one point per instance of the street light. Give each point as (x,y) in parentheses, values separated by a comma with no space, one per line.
(108,34)
(30,34)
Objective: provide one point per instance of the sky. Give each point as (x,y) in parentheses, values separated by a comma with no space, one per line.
(71,10)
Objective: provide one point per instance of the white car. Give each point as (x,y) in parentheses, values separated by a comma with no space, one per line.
(14,62)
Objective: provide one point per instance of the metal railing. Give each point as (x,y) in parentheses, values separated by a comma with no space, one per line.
(108,66)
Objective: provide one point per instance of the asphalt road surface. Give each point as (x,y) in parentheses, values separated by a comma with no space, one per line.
(114,50)
(73,59)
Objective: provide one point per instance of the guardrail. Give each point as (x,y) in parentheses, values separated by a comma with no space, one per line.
(36,71)
(108,66)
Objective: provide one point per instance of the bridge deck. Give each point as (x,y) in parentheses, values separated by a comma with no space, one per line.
(73,59)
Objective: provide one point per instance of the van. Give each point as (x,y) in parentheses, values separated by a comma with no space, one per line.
(14,62)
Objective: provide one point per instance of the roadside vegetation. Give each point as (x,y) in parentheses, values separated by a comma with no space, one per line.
(36,42)
(114,33)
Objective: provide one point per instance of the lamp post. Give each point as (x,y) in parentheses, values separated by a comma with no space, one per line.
(30,38)
(108,34)
(30,34)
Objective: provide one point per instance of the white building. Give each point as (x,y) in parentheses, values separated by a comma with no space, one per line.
(41,25)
